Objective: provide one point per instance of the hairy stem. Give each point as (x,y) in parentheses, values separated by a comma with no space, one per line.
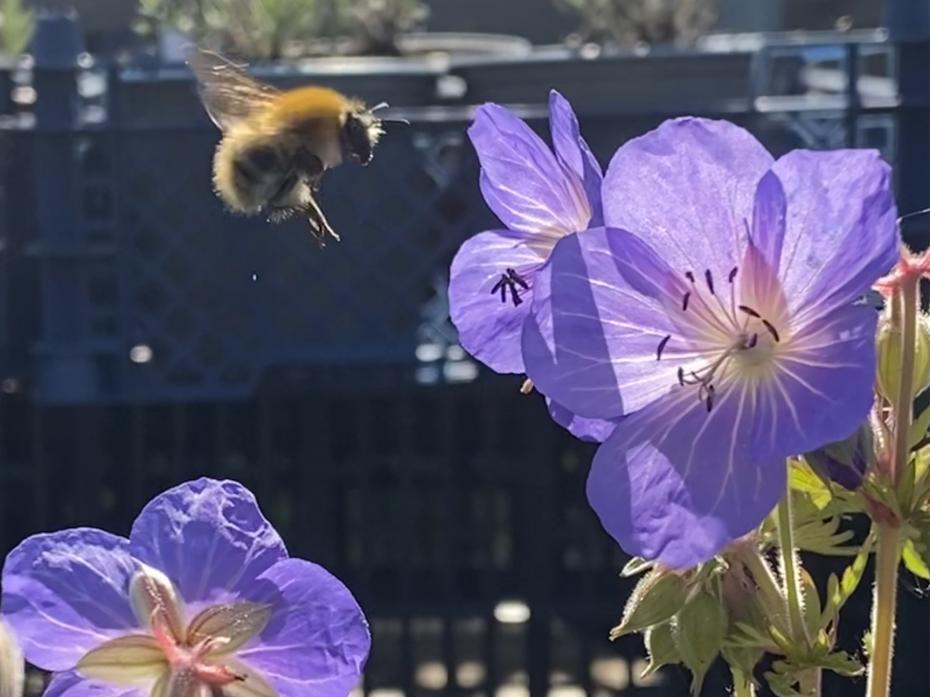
(888,544)
(810,682)
(906,301)
(742,684)
(790,572)
(887,557)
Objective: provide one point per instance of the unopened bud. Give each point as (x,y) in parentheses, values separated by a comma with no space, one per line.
(888,345)
(12,667)
(846,461)
(659,595)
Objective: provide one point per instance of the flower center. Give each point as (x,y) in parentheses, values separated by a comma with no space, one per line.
(190,660)
(180,658)
(725,335)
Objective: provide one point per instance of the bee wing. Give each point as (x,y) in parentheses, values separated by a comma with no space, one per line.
(228,93)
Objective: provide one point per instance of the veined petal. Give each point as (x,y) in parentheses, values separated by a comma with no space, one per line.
(822,386)
(591,342)
(841,233)
(687,189)
(126,660)
(65,593)
(70,684)
(675,483)
(590,430)
(489,323)
(522,181)
(254,684)
(316,640)
(574,154)
(207,536)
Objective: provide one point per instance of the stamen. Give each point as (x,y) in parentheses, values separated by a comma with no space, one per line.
(749,311)
(689,276)
(753,340)
(518,279)
(772,331)
(710,397)
(681,376)
(510,281)
(732,274)
(662,347)
(684,301)
(710,281)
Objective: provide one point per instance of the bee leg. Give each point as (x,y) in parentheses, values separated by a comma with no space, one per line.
(319,226)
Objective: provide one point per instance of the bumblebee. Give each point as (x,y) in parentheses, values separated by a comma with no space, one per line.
(276,145)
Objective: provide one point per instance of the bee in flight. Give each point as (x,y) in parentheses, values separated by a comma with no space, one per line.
(276,144)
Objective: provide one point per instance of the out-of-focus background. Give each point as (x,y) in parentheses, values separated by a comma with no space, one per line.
(147,336)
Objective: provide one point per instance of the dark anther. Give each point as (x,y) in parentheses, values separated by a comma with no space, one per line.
(684,302)
(710,397)
(732,274)
(749,311)
(681,376)
(661,347)
(768,325)
(510,281)
(710,281)
(689,276)
(753,340)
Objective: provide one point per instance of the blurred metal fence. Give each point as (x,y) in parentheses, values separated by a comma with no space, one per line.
(150,337)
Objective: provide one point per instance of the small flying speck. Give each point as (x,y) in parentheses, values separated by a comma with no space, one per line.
(254,276)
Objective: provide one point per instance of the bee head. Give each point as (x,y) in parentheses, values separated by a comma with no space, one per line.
(360,134)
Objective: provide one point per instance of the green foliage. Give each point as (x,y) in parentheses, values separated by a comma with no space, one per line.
(16,26)
(657,596)
(699,630)
(266,29)
(652,21)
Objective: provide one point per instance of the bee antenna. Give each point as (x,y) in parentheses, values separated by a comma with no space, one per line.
(379,106)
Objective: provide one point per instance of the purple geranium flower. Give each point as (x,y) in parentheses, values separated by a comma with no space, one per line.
(716,313)
(540,195)
(201,598)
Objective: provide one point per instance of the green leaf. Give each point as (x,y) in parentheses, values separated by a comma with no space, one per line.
(803,478)
(699,630)
(660,645)
(741,659)
(843,664)
(840,590)
(913,560)
(918,429)
(657,596)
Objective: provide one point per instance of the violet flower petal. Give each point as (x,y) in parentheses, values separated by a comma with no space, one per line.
(675,483)
(590,430)
(841,227)
(71,684)
(522,181)
(209,537)
(317,639)
(591,343)
(489,323)
(573,152)
(65,593)
(687,188)
(823,385)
